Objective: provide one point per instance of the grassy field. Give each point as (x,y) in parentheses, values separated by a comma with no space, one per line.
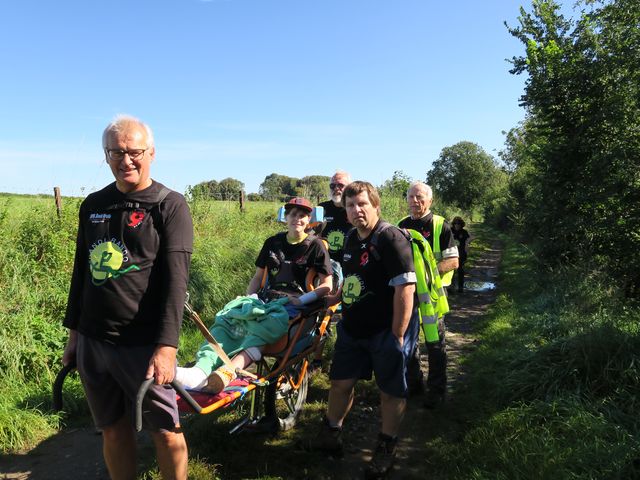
(36,258)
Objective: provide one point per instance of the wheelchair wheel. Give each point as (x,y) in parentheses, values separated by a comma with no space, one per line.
(285,398)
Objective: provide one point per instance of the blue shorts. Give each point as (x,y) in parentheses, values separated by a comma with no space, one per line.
(380,354)
(111,376)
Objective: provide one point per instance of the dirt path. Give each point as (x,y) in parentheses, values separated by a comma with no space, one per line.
(420,424)
(76,453)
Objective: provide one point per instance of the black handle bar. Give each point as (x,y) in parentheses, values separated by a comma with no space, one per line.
(142,391)
(57,385)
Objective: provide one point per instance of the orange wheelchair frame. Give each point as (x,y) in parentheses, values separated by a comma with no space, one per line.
(279,389)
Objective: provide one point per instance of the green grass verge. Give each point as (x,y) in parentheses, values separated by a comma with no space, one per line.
(552,386)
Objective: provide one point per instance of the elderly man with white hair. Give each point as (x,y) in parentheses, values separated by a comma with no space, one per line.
(124,313)
(438,233)
(335,215)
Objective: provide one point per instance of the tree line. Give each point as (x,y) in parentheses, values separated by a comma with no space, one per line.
(568,178)
(464,176)
(275,187)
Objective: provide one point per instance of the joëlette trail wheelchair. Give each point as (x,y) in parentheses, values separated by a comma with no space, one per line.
(276,392)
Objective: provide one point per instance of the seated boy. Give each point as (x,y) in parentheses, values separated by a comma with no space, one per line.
(247,324)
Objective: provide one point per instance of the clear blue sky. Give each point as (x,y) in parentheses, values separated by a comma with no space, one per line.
(246,88)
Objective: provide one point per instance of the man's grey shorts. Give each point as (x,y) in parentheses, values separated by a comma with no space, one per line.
(111,376)
(381,354)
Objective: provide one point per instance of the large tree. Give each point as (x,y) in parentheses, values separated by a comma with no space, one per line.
(226,189)
(278,187)
(464,175)
(230,188)
(582,142)
(313,187)
(396,186)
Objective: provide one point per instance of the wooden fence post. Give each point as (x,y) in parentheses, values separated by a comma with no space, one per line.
(58,200)
(242,201)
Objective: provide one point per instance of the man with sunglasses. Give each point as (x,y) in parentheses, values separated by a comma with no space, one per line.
(124,312)
(335,216)
(334,232)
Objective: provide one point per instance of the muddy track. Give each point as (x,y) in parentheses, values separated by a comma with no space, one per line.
(77,454)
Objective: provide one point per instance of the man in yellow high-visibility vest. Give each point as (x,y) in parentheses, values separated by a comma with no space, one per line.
(440,237)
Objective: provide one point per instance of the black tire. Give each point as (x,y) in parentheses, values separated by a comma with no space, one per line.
(285,401)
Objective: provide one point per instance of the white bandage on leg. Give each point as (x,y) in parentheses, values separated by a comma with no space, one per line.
(253,353)
(191,377)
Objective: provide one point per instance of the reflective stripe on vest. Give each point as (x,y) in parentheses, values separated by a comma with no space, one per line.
(432,302)
(426,312)
(430,328)
(425,260)
(438,222)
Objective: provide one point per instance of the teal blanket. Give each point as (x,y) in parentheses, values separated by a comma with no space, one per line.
(242,323)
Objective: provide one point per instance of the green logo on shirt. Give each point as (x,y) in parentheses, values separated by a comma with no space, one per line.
(335,240)
(351,289)
(105,259)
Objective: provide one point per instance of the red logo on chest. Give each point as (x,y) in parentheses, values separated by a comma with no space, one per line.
(135,218)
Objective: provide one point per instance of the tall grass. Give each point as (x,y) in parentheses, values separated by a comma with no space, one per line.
(36,260)
(36,256)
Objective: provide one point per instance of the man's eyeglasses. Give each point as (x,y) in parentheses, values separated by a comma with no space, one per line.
(333,186)
(117,155)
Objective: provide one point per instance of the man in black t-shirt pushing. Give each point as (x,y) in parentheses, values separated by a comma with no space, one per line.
(129,283)
(378,330)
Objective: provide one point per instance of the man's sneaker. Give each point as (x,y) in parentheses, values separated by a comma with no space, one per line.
(328,440)
(433,400)
(383,458)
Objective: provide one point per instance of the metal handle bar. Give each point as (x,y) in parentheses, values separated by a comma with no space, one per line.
(57,385)
(142,391)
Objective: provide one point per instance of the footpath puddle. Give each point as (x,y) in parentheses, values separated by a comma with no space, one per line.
(479,286)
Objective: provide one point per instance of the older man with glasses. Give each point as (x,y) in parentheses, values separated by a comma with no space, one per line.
(124,312)
(334,232)
(335,216)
